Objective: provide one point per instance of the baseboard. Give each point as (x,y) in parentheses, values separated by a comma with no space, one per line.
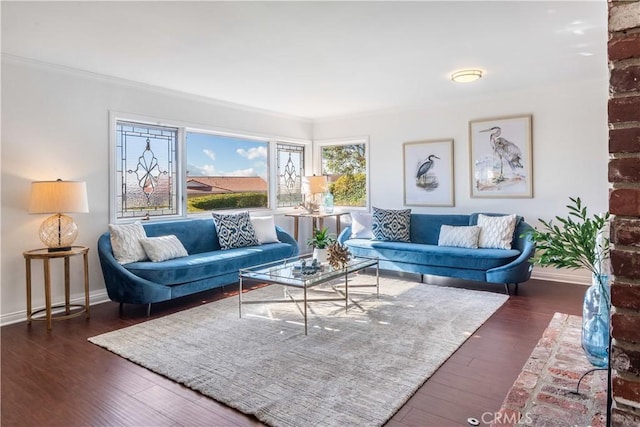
(566,276)
(95,297)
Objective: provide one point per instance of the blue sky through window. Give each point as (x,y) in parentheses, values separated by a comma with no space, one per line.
(215,155)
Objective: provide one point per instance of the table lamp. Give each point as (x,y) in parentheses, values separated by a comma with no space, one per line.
(58,231)
(311,186)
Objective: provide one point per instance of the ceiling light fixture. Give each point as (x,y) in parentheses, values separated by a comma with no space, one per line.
(466,76)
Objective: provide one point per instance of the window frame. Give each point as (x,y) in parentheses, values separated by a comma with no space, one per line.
(181,163)
(317,163)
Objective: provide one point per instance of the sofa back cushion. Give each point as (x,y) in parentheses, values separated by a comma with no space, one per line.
(425,228)
(196,235)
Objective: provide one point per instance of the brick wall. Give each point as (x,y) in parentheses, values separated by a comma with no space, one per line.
(624,204)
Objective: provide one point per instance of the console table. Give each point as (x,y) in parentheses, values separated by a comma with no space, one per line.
(317,220)
(46,256)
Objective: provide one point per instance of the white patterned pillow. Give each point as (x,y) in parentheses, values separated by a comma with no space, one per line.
(496,231)
(235,230)
(163,248)
(462,237)
(391,224)
(125,242)
(265,229)
(361,225)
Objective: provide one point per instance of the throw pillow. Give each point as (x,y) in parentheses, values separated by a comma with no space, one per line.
(390,224)
(265,229)
(496,231)
(462,237)
(163,248)
(125,242)
(235,230)
(361,223)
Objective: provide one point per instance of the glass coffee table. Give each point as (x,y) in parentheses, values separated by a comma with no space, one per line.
(288,273)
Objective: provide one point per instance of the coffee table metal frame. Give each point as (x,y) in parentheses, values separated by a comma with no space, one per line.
(282,273)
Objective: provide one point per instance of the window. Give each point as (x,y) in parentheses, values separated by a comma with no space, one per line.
(145,170)
(290,162)
(226,173)
(345,164)
(174,171)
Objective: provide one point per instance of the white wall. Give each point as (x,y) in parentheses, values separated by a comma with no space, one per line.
(55,125)
(570,153)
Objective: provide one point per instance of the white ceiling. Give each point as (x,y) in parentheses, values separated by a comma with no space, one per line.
(318,59)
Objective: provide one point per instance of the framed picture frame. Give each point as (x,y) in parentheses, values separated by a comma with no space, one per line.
(428,173)
(500,154)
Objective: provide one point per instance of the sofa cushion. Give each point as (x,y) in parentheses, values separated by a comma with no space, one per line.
(425,228)
(496,231)
(196,235)
(389,224)
(361,225)
(235,230)
(265,229)
(163,248)
(208,264)
(125,242)
(432,255)
(463,236)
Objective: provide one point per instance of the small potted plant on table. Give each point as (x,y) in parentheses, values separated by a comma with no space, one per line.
(320,242)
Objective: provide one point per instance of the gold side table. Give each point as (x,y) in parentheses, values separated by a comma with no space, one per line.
(317,222)
(45,256)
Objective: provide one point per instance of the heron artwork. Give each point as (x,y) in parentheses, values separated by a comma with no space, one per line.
(506,151)
(424,179)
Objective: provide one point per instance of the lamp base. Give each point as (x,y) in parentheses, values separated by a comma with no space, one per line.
(58,232)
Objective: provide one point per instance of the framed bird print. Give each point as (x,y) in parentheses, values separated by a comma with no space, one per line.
(500,156)
(428,173)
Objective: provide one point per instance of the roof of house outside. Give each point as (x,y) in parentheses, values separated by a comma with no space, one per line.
(225,184)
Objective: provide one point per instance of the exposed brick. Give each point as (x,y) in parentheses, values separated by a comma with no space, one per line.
(624,201)
(562,402)
(625,327)
(625,109)
(517,398)
(624,15)
(624,80)
(624,140)
(625,295)
(623,418)
(625,264)
(624,47)
(625,360)
(626,389)
(624,170)
(625,231)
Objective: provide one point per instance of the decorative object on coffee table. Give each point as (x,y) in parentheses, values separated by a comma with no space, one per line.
(580,242)
(320,241)
(338,256)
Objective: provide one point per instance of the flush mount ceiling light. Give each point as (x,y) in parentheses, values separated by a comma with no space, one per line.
(466,76)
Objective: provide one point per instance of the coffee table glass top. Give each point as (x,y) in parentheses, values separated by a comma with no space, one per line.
(288,272)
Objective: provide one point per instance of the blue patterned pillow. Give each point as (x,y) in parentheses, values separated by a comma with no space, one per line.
(390,224)
(235,230)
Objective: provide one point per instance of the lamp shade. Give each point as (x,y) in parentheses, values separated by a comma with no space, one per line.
(314,184)
(466,76)
(58,196)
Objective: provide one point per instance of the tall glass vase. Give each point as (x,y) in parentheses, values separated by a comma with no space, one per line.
(595,321)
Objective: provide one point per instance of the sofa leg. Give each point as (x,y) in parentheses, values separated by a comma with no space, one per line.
(148,309)
(422,278)
(121,307)
(515,290)
(506,286)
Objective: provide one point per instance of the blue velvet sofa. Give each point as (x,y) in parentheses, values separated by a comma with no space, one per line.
(422,255)
(206,267)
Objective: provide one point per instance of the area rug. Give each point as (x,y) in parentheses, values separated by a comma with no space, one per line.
(354,368)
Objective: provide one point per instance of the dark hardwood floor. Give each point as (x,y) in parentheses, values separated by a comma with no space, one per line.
(60,379)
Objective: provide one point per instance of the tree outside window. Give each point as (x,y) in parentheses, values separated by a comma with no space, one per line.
(346,167)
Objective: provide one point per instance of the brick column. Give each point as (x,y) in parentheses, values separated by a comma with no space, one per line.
(624,205)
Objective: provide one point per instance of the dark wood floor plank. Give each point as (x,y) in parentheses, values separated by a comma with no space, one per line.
(59,378)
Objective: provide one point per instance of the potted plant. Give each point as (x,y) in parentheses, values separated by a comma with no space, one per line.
(320,241)
(582,241)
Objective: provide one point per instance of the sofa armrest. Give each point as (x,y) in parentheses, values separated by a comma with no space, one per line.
(518,270)
(124,286)
(287,238)
(345,234)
